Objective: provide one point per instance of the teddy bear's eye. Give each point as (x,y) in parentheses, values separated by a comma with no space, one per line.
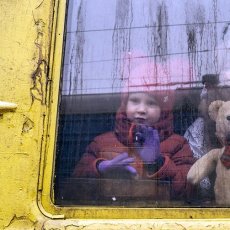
(228,117)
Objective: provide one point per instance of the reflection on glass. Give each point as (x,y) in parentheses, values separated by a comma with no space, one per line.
(138,79)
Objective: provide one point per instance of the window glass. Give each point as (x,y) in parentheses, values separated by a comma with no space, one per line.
(137,82)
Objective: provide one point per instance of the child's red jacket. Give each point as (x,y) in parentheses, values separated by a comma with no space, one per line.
(175,150)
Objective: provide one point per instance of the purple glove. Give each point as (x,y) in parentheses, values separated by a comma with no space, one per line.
(118,163)
(146,139)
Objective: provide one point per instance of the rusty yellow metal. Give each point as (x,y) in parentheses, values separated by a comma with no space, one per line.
(24,44)
(31,42)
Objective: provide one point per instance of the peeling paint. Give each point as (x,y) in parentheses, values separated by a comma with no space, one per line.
(39,87)
(131,224)
(27,125)
(24,69)
(39,77)
(21,222)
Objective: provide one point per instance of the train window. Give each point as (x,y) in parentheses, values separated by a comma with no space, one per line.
(137,80)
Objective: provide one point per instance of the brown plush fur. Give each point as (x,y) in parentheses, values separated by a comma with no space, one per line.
(219,111)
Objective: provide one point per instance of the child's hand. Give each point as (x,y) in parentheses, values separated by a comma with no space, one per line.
(149,149)
(118,163)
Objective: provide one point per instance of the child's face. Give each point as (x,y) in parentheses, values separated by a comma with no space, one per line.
(142,108)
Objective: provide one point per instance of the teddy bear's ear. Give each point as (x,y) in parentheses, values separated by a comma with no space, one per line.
(214,108)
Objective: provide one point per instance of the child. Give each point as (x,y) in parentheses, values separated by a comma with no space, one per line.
(143,145)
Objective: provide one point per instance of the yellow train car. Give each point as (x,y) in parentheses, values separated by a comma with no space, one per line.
(64,64)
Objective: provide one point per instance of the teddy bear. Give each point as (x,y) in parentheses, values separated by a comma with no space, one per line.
(216,159)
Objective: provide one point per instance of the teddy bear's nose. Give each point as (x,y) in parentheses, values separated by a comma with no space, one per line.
(228,118)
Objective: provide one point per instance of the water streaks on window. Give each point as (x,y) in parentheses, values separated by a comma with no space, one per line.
(121,38)
(100,47)
(77,52)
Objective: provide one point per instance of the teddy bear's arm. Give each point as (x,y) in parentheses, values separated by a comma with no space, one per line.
(203,167)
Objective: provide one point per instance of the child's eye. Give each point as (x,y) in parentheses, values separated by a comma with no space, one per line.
(151,103)
(134,100)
